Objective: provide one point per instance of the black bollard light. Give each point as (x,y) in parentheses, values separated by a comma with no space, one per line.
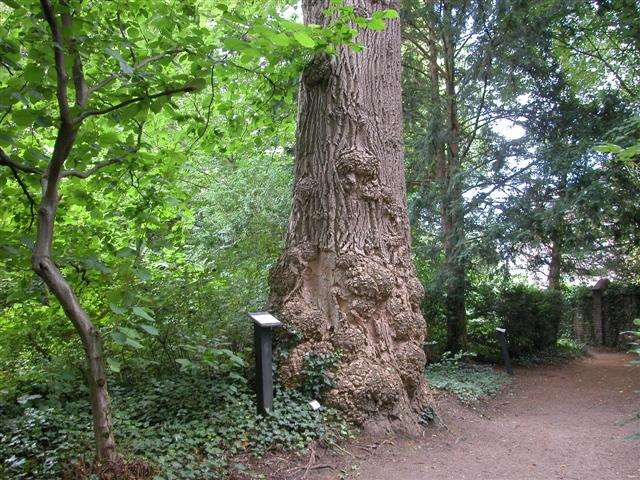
(263,324)
(504,346)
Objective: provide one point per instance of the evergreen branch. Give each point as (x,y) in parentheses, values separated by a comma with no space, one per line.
(598,56)
(481,198)
(476,126)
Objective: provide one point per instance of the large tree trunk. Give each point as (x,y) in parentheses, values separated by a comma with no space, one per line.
(345,281)
(557,236)
(455,280)
(555,264)
(449,177)
(454,272)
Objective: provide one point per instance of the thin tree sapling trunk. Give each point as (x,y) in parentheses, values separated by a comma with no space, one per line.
(66,53)
(46,268)
(42,261)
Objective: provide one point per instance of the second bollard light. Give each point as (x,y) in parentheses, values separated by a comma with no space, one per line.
(501,333)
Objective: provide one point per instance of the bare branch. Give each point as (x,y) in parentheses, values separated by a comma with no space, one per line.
(165,93)
(263,75)
(105,163)
(92,170)
(6,112)
(415,69)
(136,67)
(6,66)
(5,160)
(27,194)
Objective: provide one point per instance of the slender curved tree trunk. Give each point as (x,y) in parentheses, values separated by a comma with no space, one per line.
(42,260)
(345,281)
(46,268)
(92,343)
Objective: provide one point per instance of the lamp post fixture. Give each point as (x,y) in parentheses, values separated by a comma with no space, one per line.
(501,333)
(263,324)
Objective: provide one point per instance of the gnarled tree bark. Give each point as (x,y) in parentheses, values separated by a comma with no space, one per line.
(345,281)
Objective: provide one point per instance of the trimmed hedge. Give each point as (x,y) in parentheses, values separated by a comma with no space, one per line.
(531,316)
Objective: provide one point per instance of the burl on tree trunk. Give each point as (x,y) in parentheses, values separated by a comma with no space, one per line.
(345,281)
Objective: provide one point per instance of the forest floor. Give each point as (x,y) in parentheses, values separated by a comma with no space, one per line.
(553,422)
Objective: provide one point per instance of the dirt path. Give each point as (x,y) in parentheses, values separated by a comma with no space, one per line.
(556,422)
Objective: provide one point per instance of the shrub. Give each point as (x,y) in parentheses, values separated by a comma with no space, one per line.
(531,316)
(481,334)
(566,349)
(621,305)
(469,382)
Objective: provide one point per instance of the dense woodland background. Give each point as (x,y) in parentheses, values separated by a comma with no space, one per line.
(522,140)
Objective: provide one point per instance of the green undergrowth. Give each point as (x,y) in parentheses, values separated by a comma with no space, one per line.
(468,381)
(635,418)
(565,350)
(187,427)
